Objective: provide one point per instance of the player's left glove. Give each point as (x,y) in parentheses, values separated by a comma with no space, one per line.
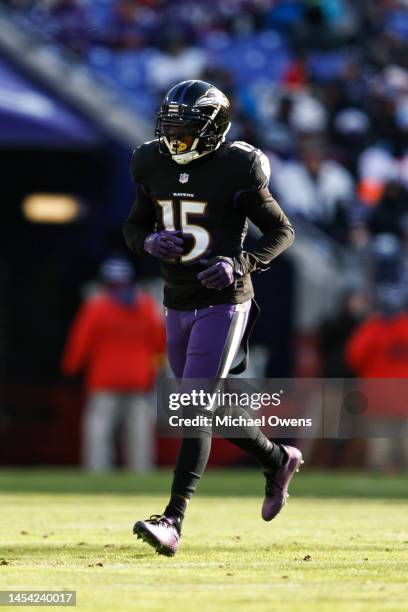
(218,275)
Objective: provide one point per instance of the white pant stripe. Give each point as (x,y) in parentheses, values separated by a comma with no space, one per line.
(235,342)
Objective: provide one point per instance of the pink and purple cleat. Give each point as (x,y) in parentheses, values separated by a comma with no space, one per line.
(160,532)
(277,483)
(163,534)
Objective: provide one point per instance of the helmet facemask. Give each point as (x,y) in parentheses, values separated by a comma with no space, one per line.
(186,133)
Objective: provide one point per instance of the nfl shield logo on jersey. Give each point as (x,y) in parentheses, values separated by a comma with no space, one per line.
(183,177)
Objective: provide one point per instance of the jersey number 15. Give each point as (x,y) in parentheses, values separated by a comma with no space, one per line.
(188,209)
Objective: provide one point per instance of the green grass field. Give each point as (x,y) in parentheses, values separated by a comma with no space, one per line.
(341,543)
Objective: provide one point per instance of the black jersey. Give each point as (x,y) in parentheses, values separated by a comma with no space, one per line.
(210,200)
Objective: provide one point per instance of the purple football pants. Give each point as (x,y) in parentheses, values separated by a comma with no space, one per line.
(203,343)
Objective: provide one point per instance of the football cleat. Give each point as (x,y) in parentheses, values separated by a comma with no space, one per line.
(277,483)
(160,532)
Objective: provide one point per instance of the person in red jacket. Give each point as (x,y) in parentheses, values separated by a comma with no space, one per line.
(378,349)
(117,339)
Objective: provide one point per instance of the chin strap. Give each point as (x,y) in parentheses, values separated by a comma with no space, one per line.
(189,156)
(186,158)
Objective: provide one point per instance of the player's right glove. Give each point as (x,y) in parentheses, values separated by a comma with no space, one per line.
(164,245)
(218,275)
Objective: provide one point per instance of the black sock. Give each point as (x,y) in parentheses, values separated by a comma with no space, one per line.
(176,506)
(270,456)
(252,440)
(176,509)
(191,462)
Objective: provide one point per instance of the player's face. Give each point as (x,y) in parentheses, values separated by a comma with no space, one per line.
(180,138)
(180,141)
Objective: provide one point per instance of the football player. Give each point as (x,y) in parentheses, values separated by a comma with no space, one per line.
(195,194)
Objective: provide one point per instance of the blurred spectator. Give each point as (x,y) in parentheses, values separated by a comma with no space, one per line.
(376,166)
(276,131)
(117,339)
(176,63)
(378,349)
(308,116)
(335,332)
(350,131)
(384,116)
(387,216)
(315,188)
(387,261)
(332,337)
(68,24)
(124,31)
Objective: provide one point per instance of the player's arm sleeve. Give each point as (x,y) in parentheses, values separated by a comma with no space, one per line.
(141,220)
(258,204)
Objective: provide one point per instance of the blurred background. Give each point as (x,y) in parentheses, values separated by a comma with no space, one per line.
(320,85)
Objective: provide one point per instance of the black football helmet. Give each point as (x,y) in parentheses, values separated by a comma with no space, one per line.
(193,120)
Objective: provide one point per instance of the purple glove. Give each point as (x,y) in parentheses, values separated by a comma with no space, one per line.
(164,245)
(217,276)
